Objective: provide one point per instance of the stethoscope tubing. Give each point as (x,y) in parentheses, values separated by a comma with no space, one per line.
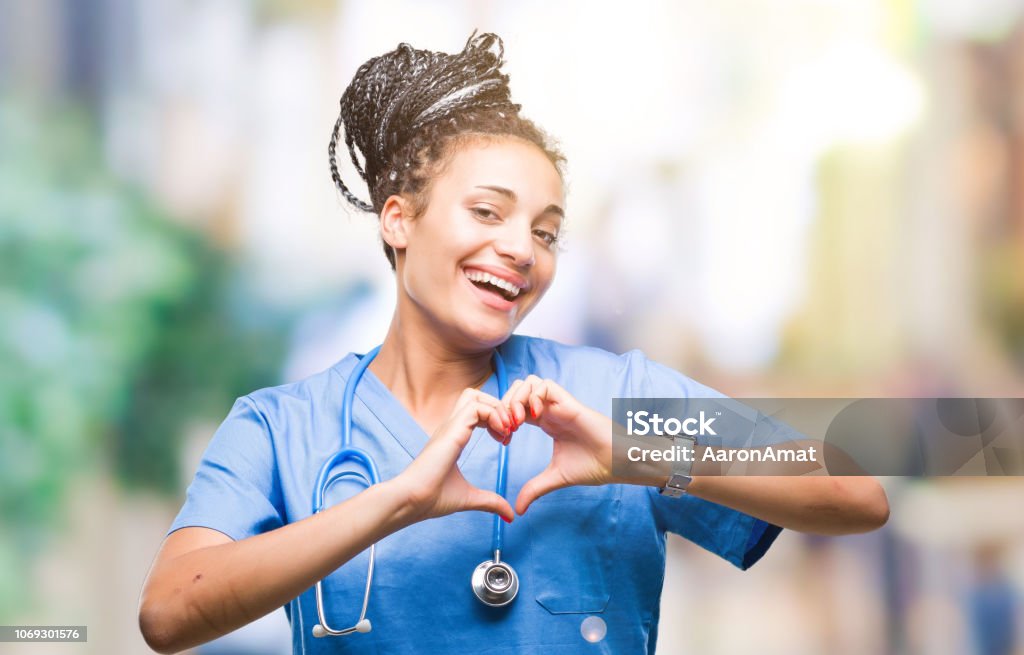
(348,452)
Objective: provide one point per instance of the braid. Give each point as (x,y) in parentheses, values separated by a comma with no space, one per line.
(336,176)
(403,110)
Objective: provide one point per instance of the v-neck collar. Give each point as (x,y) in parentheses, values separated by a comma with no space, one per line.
(397,420)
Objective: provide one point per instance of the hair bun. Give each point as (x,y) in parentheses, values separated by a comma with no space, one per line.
(395,94)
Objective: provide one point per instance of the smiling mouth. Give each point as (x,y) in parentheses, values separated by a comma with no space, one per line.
(493,284)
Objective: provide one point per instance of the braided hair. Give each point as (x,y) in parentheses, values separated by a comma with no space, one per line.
(407,111)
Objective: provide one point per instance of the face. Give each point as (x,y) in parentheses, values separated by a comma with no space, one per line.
(483,253)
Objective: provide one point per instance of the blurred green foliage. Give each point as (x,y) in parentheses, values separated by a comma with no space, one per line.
(118,327)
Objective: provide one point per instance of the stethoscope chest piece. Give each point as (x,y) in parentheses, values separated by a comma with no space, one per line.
(495,583)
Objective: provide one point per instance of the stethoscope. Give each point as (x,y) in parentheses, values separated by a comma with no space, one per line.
(494,582)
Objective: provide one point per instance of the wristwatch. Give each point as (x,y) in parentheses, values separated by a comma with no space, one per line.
(680,478)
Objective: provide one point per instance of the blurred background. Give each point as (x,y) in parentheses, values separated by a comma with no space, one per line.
(799,198)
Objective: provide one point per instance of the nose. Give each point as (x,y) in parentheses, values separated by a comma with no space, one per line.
(516,244)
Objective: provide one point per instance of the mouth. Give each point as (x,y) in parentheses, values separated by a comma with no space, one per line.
(493,285)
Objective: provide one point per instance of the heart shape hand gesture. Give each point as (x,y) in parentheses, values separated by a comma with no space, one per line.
(581,454)
(582,451)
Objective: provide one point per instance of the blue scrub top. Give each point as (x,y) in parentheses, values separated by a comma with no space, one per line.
(579,552)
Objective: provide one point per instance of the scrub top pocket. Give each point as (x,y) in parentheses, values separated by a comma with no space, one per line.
(573,539)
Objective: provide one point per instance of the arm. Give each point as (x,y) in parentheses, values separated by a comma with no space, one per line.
(204,585)
(582,454)
(818,505)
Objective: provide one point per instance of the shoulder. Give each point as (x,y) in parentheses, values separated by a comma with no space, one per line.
(284,402)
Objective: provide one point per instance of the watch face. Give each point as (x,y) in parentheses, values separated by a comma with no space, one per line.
(683,467)
(671,492)
(679,481)
(676,485)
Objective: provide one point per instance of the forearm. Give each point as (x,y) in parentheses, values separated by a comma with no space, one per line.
(797,496)
(818,505)
(211,591)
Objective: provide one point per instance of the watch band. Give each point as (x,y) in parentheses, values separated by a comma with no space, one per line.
(680,477)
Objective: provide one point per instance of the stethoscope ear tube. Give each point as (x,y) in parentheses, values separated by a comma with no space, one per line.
(323,629)
(324,480)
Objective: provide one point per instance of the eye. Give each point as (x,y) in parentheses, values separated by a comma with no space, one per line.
(484,213)
(549,238)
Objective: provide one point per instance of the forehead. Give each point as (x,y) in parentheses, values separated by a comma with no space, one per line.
(506,162)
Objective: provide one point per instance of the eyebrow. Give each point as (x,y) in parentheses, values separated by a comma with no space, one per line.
(511,195)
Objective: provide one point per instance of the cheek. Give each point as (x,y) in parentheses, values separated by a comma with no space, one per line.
(415,282)
(546,275)
(430,271)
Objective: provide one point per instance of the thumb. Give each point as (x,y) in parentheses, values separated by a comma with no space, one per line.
(488,501)
(543,483)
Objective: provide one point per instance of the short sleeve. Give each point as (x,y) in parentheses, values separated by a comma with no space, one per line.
(736,537)
(236,488)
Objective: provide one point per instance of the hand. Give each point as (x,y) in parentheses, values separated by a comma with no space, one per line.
(582,452)
(433,483)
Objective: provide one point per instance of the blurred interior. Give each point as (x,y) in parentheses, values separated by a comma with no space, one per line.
(800,198)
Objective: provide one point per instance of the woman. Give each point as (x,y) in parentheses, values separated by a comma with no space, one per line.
(470,201)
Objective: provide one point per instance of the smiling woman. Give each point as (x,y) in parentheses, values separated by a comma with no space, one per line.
(470,198)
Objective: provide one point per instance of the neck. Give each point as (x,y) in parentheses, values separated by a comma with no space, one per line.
(424,372)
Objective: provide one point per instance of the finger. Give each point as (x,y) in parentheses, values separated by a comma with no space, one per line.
(541,396)
(511,391)
(543,483)
(536,403)
(482,414)
(518,412)
(519,399)
(500,437)
(467,399)
(495,418)
(504,417)
(470,413)
(488,501)
(509,399)
(468,404)
(538,394)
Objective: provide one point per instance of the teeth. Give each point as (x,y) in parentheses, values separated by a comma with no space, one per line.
(478,276)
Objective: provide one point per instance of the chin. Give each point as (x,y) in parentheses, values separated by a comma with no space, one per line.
(489,334)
